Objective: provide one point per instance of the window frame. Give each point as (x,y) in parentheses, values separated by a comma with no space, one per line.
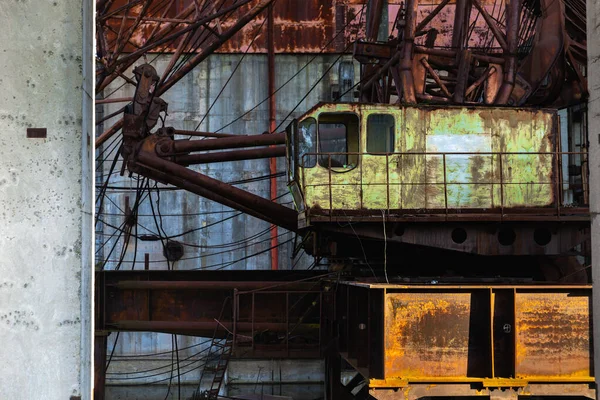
(315,149)
(322,154)
(393,138)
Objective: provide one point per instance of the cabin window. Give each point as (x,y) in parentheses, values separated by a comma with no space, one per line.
(307,143)
(380,133)
(338,140)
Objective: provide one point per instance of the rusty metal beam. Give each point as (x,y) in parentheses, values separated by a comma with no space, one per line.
(198,58)
(272,126)
(205,134)
(436,78)
(235,155)
(210,285)
(431,15)
(215,190)
(190,64)
(187,146)
(405,64)
(161,176)
(191,302)
(374,11)
(492,25)
(136,54)
(105,79)
(512,39)
(100,339)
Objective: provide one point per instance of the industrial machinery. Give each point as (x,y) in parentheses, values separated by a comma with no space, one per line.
(450,204)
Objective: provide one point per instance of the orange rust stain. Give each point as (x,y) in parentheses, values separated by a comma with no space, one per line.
(553,335)
(427,335)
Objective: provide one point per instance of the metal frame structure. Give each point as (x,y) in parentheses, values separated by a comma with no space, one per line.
(310,314)
(533,48)
(466,340)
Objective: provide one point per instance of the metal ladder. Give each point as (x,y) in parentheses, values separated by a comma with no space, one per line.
(217,361)
(223,348)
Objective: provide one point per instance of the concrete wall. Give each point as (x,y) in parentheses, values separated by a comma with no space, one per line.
(593,73)
(45,193)
(299,379)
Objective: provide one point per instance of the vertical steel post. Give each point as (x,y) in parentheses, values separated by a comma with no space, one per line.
(272,126)
(513,12)
(405,65)
(99,364)
(593,139)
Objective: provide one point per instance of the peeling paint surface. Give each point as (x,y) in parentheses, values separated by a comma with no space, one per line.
(428,171)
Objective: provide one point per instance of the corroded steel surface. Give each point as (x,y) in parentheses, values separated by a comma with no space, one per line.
(306,26)
(427,334)
(553,335)
(462,334)
(299,26)
(408,178)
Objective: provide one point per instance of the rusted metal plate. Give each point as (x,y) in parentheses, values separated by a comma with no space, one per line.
(196,302)
(36,133)
(427,334)
(465,334)
(299,26)
(553,335)
(307,26)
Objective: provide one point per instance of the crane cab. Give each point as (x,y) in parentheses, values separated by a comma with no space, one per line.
(414,164)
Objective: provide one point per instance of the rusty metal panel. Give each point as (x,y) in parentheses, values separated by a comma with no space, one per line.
(553,335)
(452,334)
(427,334)
(452,157)
(299,26)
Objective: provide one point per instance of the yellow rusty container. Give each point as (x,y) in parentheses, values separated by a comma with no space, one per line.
(398,335)
(431,158)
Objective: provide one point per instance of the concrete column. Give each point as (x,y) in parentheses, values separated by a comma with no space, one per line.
(45,197)
(593,48)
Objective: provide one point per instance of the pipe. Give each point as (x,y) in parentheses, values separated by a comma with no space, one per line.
(374,11)
(205,134)
(272,126)
(109,132)
(119,100)
(405,65)
(200,191)
(218,191)
(235,155)
(512,38)
(187,146)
